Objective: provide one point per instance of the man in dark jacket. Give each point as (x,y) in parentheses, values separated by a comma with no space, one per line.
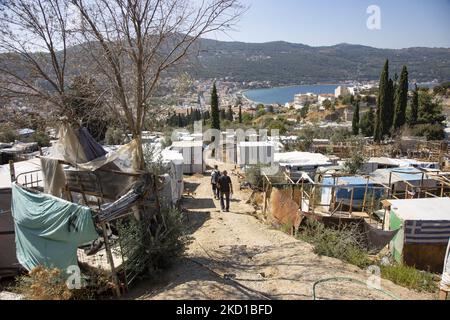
(226,188)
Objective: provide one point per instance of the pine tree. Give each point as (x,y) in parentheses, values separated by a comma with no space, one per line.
(401,100)
(215,123)
(414,112)
(355,121)
(240,114)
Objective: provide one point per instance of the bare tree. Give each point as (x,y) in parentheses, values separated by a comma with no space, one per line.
(33,48)
(133,42)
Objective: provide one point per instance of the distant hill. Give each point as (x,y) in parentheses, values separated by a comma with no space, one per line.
(288,63)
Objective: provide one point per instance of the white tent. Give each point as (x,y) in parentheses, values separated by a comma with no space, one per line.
(297,162)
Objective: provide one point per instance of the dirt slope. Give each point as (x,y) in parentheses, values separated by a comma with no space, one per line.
(235,256)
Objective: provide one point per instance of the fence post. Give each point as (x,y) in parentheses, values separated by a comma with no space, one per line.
(12,170)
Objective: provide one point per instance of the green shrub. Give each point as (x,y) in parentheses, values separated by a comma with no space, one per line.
(115,136)
(254,176)
(153,242)
(41,138)
(409,277)
(345,244)
(430,131)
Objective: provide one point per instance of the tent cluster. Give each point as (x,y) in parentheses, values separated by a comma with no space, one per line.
(71,197)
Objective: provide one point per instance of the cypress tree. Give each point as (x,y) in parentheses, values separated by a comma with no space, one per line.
(240,114)
(414,112)
(401,100)
(180,121)
(389,109)
(381,103)
(230,114)
(355,120)
(215,123)
(223,114)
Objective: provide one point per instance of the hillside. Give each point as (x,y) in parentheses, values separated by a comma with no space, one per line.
(286,63)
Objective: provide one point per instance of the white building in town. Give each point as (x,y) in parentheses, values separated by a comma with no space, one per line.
(341,91)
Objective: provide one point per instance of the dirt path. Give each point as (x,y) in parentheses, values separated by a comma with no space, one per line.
(235,256)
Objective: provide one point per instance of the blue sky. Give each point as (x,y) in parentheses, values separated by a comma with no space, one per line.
(404,23)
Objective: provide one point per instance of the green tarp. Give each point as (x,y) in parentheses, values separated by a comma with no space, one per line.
(49,229)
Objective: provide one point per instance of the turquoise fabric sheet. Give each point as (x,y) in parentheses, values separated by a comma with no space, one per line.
(49,229)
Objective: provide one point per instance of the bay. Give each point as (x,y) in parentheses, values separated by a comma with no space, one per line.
(282,95)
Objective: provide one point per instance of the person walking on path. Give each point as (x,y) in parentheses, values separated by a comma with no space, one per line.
(215,175)
(226,188)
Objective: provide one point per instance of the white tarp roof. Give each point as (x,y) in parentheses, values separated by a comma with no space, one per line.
(19,167)
(301,159)
(173,156)
(256,144)
(398,174)
(187,144)
(422,209)
(403,163)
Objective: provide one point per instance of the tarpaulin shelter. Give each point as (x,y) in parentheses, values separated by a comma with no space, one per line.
(9,266)
(424,231)
(298,162)
(49,229)
(403,180)
(350,190)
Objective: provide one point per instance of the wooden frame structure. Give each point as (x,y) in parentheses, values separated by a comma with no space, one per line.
(87,184)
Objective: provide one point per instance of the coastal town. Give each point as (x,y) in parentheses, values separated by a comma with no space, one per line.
(128,184)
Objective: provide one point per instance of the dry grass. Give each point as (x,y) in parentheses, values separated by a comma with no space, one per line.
(43,284)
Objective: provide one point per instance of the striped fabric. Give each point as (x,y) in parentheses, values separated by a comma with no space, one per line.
(427,232)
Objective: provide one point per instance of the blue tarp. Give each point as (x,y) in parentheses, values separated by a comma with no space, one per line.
(49,229)
(92,149)
(344,194)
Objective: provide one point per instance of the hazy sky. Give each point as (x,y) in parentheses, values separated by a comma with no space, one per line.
(404,23)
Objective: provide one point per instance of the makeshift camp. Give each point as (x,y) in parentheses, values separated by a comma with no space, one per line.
(18,152)
(81,185)
(404,182)
(294,163)
(376,163)
(424,231)
(192,152)
(355,191)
